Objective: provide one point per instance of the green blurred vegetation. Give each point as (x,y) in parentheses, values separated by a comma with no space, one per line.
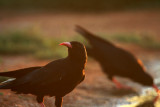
(31,43)
(143,40)
(78,5)
(1,94)
(28,42)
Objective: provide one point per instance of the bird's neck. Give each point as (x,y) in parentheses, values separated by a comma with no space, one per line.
(78,61)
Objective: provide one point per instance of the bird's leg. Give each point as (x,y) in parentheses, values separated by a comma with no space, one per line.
(119,85)
(40,100)
(42,104)
(58,101)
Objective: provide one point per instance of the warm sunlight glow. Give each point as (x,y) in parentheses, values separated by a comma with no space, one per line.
(141,63)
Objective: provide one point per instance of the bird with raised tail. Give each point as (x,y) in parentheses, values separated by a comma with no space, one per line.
(116,61)
(57,78)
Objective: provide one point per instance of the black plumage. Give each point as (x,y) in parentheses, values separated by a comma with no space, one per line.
(57,78)
(115,61)
(19,73)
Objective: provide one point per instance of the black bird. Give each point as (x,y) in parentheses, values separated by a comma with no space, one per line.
(116,61)
(57,78)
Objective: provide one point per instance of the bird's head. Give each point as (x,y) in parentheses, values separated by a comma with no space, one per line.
(146,79)
(76,51)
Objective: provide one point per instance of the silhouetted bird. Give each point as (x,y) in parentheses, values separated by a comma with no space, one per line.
(116,61)
(57,78)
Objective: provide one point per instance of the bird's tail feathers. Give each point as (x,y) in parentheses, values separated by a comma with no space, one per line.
(9,80)
(6,84)
(90,36)
(19,73)
(84,32)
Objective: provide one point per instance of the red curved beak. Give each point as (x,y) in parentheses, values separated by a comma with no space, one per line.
(158,93)
(68,44)
(156,88)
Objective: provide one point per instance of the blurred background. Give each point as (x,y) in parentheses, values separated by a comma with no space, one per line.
(30,31)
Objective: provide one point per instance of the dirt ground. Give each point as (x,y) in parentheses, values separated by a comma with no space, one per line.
(96,90)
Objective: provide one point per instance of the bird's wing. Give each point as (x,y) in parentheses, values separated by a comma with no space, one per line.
(47,75)
(19,73)
(90,51)
(92,38)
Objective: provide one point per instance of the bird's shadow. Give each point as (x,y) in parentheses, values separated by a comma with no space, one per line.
(123,92)
(112,91)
